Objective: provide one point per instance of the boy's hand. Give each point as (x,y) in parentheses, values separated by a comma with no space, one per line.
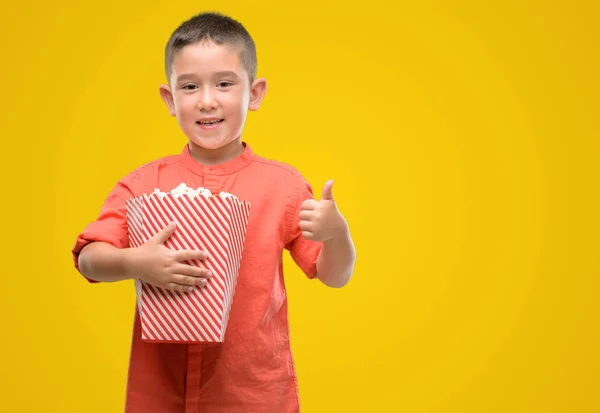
(321,220)
(162,267)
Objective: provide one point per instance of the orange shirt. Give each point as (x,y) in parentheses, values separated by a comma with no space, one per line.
(253,369)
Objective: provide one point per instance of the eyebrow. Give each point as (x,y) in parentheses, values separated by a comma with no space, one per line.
(225,73)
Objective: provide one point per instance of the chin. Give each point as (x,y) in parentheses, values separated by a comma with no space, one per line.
(210,143)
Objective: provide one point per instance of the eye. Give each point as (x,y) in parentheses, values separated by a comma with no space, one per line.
(189,87)
(224,84)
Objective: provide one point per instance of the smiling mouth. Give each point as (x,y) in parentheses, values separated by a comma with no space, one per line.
(209,122)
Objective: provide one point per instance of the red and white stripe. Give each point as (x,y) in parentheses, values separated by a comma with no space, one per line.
(215,225)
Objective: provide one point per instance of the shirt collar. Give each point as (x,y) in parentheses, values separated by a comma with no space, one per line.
(225,168)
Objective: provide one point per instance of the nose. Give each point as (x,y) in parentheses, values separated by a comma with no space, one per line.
(207,100)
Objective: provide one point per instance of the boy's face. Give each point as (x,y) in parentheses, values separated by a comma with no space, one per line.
(210,94)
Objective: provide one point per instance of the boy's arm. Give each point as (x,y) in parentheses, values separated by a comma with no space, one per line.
(336,260)
(152,262)
(322,221)
(108,230)
(101,261)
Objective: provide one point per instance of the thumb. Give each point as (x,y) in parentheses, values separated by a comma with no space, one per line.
(161,236)
(328,191)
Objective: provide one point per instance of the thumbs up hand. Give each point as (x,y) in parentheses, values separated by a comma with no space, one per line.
(321,220)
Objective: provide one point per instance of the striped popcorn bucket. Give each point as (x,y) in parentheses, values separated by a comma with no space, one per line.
(215,224)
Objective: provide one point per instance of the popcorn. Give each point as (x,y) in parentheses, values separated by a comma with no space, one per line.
(208,222)
(183,189)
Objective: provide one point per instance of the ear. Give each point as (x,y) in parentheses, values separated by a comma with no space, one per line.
(257,93)
(167,97)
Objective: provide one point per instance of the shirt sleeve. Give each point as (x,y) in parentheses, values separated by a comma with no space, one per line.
(111,224)
(304,252)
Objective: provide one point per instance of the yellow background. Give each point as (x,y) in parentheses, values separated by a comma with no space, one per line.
(463,137)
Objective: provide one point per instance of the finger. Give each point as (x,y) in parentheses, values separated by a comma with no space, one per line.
(188,255)
(306,225)
(163,235)
(179,287)
(327,192)
(308,235)
(306,215)
(192,271)
(188,280)
(309,204)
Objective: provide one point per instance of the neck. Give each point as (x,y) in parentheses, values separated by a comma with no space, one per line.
(216,156)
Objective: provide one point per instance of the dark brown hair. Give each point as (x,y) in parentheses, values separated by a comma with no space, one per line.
(216,28)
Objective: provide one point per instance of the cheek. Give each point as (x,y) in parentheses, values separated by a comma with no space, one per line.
(235,105)
(184,104)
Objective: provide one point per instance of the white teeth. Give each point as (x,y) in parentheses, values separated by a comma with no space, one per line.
(210,122)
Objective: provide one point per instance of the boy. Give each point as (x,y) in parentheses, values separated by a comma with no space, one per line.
(210,63)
